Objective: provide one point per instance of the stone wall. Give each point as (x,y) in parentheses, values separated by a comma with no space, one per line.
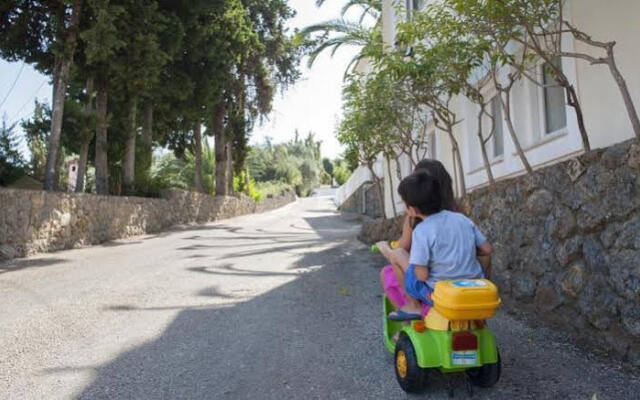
(567,246)
(37,221)
(366,195)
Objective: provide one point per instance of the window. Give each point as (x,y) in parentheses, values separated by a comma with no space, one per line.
(497,133)
(432,146)
(555,116)
(411,6)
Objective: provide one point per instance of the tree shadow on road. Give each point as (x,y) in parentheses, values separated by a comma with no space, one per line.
(291,342)
(316,336)
(20,264)
(230,270)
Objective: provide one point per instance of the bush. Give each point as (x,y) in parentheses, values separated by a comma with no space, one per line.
(341,172)
(242,185)
(11,162)
(273,188)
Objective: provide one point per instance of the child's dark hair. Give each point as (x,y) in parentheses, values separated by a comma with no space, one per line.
(438,171)
(422,191)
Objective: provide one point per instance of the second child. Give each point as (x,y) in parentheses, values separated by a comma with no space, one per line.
(444,246)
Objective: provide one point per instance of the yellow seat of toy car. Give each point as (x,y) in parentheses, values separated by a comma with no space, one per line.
(466,299)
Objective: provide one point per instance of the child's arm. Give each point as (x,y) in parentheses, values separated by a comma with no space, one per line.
(484,256)
(407,230)
(384,249)
(483,251)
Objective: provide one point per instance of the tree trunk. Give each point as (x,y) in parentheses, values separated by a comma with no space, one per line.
(197,149)
(485,157)
(624,91)
(459,169)
(86,140)
(129,165)
(229,167)
(102,166)
(506,107)
(61,72)
(393,202)
(572,100)
(220,150)
(146,156)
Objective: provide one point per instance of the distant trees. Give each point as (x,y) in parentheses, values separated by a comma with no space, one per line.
(152,71)
(297,163)
(11,162)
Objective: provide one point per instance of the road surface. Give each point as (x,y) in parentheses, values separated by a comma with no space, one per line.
(281,305)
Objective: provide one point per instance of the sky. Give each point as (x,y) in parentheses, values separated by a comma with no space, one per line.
(312,104)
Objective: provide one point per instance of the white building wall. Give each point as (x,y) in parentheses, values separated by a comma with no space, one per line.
(606,119)
(605,116)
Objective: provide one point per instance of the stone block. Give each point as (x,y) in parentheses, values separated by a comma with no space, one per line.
(631,318)
(574,280)
(523,287)
(540,202)
(633,160)
(547,299)
(570,250)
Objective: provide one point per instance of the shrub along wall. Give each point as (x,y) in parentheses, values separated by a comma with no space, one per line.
(38,221)
(567,246)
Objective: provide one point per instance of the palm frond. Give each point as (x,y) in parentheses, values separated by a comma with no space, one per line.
(370,7)
(352,64)
(338,25)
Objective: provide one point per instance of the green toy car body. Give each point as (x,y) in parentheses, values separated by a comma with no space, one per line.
(416,351)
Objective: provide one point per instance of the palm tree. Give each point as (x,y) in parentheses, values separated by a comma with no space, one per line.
(336,33)
(371,7)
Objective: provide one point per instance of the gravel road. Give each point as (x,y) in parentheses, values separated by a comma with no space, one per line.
(281,305)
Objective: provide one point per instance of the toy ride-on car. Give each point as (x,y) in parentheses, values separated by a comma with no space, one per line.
(452,338)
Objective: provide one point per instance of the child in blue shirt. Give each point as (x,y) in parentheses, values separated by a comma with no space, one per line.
(444,246)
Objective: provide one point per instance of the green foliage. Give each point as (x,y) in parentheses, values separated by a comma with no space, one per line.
(273,188)
(185,58)
(169,172)
(334,34)
(327,164)
(244,184)
(341,172)
(296,163)
(74,124)
(367,128)
(11,162)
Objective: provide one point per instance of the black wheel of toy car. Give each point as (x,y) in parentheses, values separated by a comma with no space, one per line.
(487,375)
(411,377)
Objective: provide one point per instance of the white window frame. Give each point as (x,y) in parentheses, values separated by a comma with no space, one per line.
(499,122)
(433,143)
(542,136)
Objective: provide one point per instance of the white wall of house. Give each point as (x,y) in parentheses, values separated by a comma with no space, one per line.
(619,20)
(546,127)
(358,177)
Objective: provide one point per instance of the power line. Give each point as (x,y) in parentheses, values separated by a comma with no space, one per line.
(12,86)
(29,101)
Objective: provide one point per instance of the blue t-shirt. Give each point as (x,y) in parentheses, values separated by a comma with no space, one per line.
(446,243)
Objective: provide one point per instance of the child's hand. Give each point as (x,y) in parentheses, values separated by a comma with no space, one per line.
(384,248)
(382,245)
